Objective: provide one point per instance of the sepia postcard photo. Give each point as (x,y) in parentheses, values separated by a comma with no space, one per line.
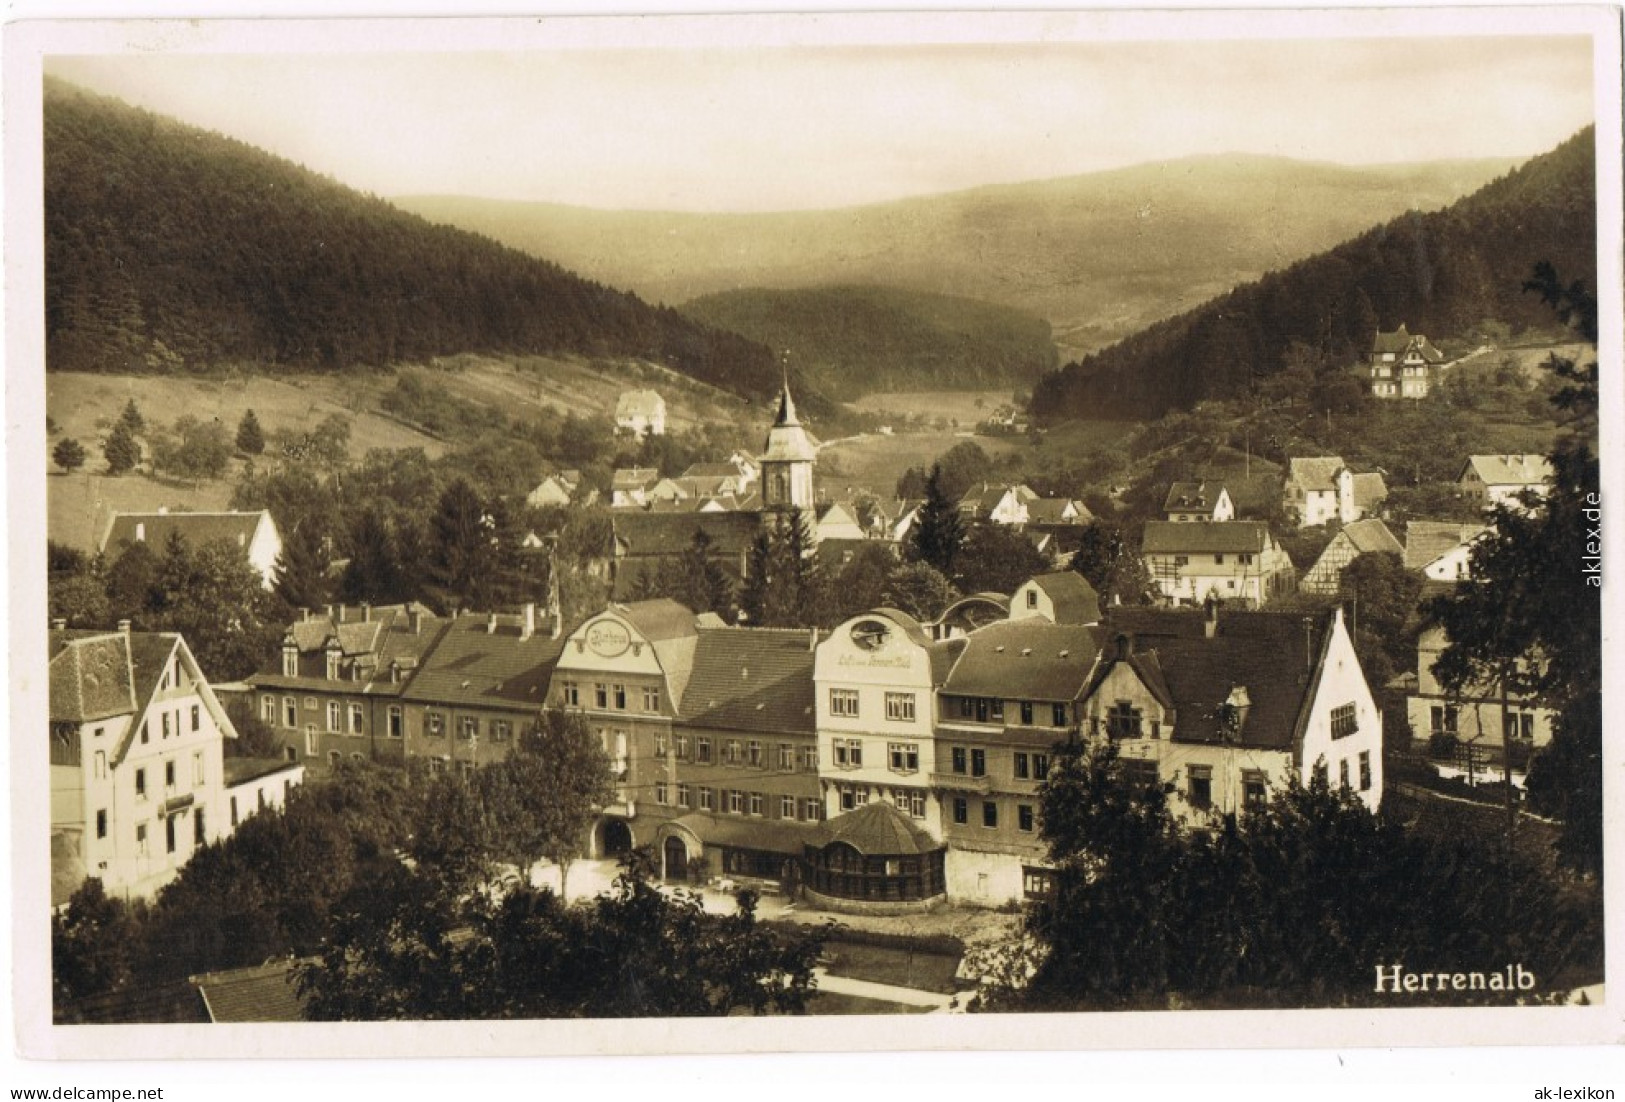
(912,531)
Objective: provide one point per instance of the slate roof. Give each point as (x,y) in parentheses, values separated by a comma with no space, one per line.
(370,645)
(1315,473)
(877,829)
(91,676)
(268,993)
(1028,659)
(752,679)
(1367,536)
(1270,653)
(474,667)
(1075,600)
(195,528)
(1426,540)
(1172,537)
(1509,470)
(1186,497)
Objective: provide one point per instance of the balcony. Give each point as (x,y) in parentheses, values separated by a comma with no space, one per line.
(962,782)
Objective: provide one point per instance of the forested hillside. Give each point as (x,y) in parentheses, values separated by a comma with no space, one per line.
(171,248)
(1099,256)
(1440,274)
(851,341)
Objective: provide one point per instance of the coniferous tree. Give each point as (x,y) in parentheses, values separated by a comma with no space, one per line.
(938,530)
(301,569)
(462,544)
(250,438)
(131,418)
(121,451)
(373,573)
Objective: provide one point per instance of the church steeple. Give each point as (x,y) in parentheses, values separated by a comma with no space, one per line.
(787,464)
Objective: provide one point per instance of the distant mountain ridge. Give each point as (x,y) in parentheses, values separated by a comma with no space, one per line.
(1440,274)
(851,341)
(171,248)
(1098,256)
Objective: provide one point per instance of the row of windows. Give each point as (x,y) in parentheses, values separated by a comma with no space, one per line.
(843,703)
(910,801)
(608,697)
(199,774)
(1515,725)
(468,727)
(1026,814)
(434,722)
(979,709)
(737,802)
(741,752)
(972,761)
(198,830)
(1245,558)
(170,722)
(1344,771)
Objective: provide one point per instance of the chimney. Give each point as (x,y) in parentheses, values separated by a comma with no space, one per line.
(491,624)
(528,628)
(414,617)
(304,615)
(366,612)
(124,626)
(163,510)
(59,624)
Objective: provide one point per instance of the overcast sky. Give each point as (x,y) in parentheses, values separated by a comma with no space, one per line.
(790,128)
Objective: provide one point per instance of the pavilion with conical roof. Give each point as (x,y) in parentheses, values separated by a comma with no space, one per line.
(874,860)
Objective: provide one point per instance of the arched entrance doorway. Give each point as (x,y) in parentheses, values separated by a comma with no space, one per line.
(676,853)
(617,838)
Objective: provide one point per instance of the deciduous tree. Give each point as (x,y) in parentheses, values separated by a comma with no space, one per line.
(69,454)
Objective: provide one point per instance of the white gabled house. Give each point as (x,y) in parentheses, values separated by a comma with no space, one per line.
(255,534)
(641,413)
(1237,560)
(1227,707)
(1503,479)
(137,780)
